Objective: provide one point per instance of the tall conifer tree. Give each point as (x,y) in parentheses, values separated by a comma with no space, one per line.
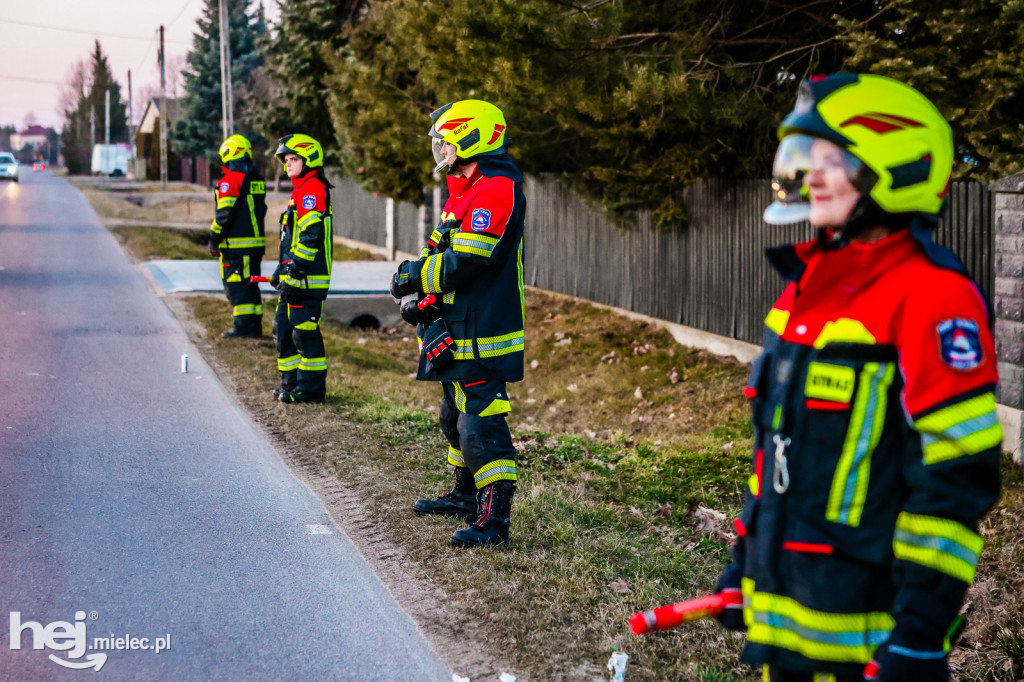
(199,132)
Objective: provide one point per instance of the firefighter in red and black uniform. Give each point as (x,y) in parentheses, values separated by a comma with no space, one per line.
(472,338)
(876,441)
(237,235)
(303,274)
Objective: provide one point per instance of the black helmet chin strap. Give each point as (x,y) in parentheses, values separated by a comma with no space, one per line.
(867,214)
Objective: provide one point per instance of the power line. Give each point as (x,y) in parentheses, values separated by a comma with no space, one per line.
(30,80)
(180,12)
(88,33)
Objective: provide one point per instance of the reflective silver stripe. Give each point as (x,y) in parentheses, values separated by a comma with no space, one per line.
(310,217)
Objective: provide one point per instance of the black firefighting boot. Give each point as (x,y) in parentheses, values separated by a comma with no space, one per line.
(297,396)
(289,383)
(459,502)
(236,333)
(492,522)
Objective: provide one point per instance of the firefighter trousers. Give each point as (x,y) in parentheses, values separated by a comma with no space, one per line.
(473,421)
(301,357)
(244,295)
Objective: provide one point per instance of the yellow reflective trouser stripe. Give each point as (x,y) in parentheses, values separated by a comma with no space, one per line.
(776,320)
(215,227)
(313,364)
(498,470)
(944,545)
(850,482)
(289,363)
(225,202)
(308,325)
(245,242)
(430,274)
(460,397)
(455,457)
(967,428)
(783,622)
(248,309)
(496,407)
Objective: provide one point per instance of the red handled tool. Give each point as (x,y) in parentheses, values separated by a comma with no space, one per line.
(427,301)
(672,615)
(259,278)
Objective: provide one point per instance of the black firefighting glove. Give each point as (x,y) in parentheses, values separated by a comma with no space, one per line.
(438,346)
(404,281)
(275,278)
(894,663)
(414,314)
(731,617)
(294,270)
(213,246)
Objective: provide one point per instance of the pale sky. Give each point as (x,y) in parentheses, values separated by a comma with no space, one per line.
(36,57)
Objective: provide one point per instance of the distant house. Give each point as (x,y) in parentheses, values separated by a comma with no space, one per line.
(147,139)
(34,136)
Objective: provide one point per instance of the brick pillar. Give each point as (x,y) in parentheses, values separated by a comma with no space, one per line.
(1008,296)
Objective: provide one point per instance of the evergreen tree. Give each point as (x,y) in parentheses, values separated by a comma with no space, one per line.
(295,48)
(966,57)
(630,102)
(199,131)
(85,108)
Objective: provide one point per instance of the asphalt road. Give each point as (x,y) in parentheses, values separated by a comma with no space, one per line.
(139,502)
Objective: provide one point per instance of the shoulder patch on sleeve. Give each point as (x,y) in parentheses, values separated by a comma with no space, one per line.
(481,219)
(224,187)
(308,202)
(959,343)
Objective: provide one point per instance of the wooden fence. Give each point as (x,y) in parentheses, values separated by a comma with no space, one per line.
(711,275)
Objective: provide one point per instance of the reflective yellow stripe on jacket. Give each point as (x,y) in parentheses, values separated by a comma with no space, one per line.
(783,622)
(941,544)
(966,428)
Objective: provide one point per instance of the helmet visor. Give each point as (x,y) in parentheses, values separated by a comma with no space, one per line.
(435,148)
(444,156)
(796,157)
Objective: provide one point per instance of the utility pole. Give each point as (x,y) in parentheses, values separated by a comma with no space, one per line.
(164,118)
(227,108)
(106,124)
(131,127)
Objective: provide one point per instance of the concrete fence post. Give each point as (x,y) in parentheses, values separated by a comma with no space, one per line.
(389,228)
(1008,301)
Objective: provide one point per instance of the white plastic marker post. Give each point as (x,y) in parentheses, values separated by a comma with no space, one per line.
(184,363)
(617,666)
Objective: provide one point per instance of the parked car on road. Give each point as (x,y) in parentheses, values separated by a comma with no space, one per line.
(8,167)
